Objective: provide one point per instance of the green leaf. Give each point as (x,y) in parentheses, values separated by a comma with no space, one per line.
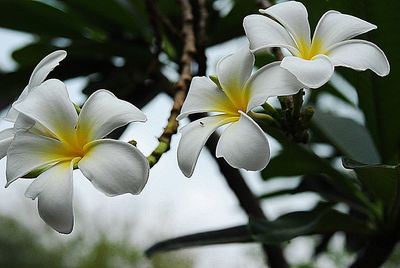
(277,193)
(238,234)
(347,136)
(321,220)
(383,181)
(328,88)
(329,190)
(111,15)
(296,160)
(39,18)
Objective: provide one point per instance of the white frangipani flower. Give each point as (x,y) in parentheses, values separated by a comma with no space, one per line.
(67,141)
(313,60)
(39,74)
(243,144)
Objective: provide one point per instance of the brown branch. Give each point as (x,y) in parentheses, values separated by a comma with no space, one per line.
(201,35)
(181,87)
(247,201)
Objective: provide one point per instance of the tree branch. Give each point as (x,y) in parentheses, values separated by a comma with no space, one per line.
(248,202)
(181,87)
(201,35)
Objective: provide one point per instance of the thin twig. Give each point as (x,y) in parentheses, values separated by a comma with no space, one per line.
(166,23)
(181,87)
(153,12)
(201,36)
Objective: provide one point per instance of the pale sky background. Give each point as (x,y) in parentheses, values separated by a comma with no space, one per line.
(171,204)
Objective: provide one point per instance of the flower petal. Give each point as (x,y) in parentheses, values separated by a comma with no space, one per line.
(264,32)
(194,136)
(312,73)
(39,74)
(49,104)
(45,66)
(102,113)
(204,96)
(29,151)
(6,137)
(334,27)
(360,55)
(25,123)
(244,145)
(233,72)
(293,16)
(271,80)
(115,167)
(54,190)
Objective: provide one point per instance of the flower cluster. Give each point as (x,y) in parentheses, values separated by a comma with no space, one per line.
(50,138)
(309,63)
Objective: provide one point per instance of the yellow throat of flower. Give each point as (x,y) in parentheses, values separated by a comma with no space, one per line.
(238,100)
(307,51)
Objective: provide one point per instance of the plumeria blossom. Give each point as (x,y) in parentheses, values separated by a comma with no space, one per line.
(243,144)
(66,141)
(312,61)
(39,74)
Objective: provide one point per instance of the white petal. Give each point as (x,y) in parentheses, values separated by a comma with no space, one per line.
(334,27)
(45,66)
(271,80)
(6,137)
(49,104)
(263,32)
(12,114)
(23,122)
(234,70)
(203,96)
(312,73)
(54,191)
(29,151)
(244,145)
(194,136)
(293,16)
(360,55)
(39,74)
(102,113)
(115,167)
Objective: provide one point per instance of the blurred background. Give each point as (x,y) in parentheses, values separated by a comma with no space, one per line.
(111,45)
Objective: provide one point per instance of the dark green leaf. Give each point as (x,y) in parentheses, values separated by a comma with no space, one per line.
(329,190)
(296,160)
(321,220)
(237,234)
(383,181)
(38,18)
(111,15)
(328,88)
(277,193)
(347,136)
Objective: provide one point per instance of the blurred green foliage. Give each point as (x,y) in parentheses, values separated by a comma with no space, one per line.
(20,247)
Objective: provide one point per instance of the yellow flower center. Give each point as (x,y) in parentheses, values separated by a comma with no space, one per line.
(238,100)
(73,147)
(307,51)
